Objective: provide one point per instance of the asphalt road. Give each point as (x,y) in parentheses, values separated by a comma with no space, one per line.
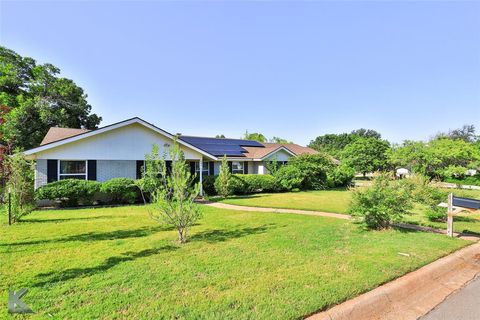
(462,305)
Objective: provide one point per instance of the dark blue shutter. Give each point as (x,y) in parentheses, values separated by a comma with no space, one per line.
(168,164)
(211,168)
(140,164)
(245,167)
(92,170)
(52,170)
(230,166)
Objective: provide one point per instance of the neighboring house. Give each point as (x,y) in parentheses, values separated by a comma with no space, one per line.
(118,150)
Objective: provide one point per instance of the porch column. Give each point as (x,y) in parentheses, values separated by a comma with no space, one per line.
(201,176)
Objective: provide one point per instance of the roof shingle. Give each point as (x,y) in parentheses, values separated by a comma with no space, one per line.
(56,133)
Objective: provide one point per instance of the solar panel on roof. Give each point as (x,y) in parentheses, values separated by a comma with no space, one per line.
(220,147)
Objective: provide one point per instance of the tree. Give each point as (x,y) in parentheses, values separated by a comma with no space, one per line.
(433,157)
(254,136)
(366,155)
(220,136)
(314,168)
(37,99)
(465,133)
(366,133)
(20,185)
(279,140)
(154,168)
(174,202)
(333,144)
(222,183)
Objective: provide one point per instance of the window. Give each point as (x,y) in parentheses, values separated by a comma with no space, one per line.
(72,170)
(205,170)
(237,167)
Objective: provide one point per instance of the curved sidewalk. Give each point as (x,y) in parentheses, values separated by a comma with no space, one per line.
(276,210)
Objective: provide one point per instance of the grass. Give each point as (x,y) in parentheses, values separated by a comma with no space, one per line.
(117,263)
(466,222)
(325,200)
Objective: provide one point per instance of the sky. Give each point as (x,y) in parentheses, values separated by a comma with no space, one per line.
(296,70)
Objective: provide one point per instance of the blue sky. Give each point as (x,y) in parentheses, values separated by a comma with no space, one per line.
(290,69)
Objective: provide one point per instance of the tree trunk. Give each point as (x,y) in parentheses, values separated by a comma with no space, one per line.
(182,237)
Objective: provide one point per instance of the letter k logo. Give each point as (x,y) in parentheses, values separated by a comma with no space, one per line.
(15,305)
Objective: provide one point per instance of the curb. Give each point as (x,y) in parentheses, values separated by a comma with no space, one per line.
(414,294)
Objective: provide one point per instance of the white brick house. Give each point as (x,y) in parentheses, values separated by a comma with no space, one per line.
(118,150)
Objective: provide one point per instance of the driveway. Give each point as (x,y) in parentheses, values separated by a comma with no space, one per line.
(463,304)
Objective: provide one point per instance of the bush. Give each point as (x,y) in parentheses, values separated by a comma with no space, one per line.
(436,214)
(472,180)
(20,183)
(313,168)
(383,203)
(251,183)
(208,183)
(69,192)
(289,177)
(120,190)
(340,176)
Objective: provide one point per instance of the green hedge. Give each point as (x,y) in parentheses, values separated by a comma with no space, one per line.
(75,192)
(472,181)
(120,190)
(69,192)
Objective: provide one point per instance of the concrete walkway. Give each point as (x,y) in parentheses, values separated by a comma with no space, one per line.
(463,236)
(275,210)
(414,294)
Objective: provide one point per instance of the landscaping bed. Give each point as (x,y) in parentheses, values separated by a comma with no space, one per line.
(118,263)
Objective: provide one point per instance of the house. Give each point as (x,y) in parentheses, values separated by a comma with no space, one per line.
(118,150)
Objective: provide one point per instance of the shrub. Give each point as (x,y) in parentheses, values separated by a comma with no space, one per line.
(289,177)
(340,176)
(386,201)
(436,214)
(120,190)
(472,180)
(313,168)
(208,183)
(20,183)
(222,183)
(69,192)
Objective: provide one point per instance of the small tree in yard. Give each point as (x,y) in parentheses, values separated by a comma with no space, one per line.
(20,185)
(222,184)
(174,200)
(152,172)
(383,203)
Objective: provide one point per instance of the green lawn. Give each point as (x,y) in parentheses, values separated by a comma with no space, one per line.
(325,200)
(117,263)
(464,222)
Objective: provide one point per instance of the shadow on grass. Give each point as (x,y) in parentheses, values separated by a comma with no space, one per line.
(54,277)
(96,236)
(68,219)
(218,235)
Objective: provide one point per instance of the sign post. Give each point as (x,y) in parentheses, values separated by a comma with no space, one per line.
(9,208)
(450,215)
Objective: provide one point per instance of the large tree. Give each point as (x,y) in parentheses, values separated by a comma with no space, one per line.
(333,144)
(38,98)
(366,155)
(436,155)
